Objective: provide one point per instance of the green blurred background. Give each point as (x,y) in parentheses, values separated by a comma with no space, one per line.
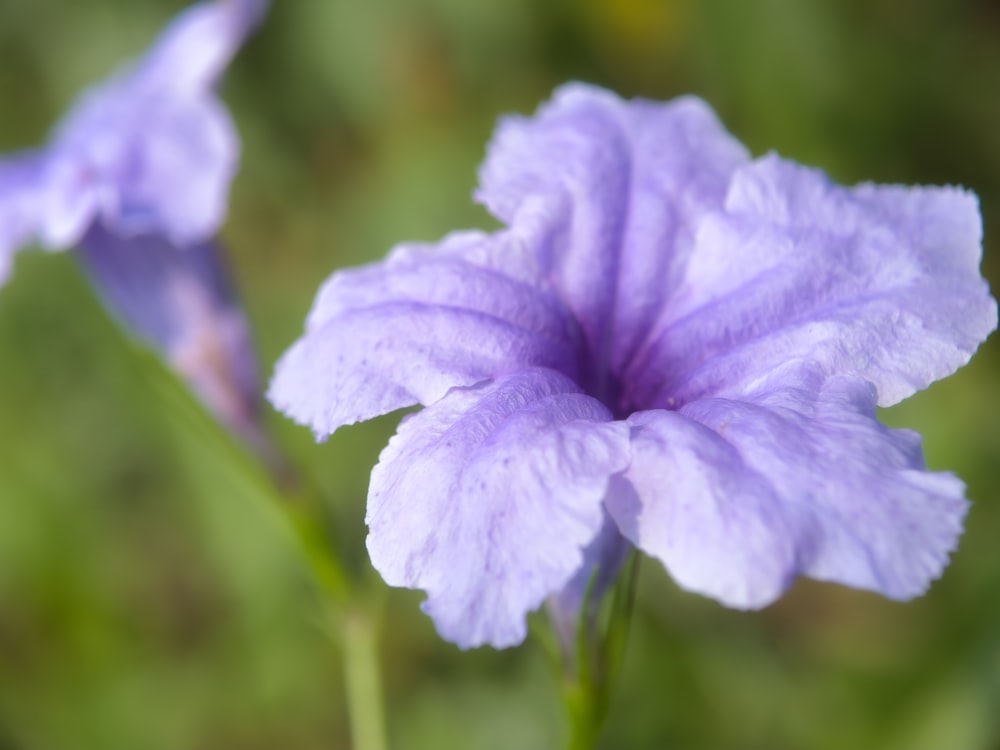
(149,597)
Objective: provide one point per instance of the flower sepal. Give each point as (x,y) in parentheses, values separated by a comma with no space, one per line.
(591,660)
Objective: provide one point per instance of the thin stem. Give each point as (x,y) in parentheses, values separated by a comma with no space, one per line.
(303,515)
(353,623)
(351,617)
(345,617)
(361,677)
(585,715)
(600,649)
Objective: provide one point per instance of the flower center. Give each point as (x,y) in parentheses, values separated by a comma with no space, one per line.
(604,385)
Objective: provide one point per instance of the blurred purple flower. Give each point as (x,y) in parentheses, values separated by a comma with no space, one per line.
(668,335)
(137,177)
(181,301)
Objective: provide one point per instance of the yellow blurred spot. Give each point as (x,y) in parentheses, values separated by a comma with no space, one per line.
(639,27)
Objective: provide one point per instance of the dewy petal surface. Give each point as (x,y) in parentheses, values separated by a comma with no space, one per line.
(152,149)
(881,282)
(427,319)
(487,499)
(610,193)
(736,498)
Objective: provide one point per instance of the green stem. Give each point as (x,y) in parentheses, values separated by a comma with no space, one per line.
(361,677)
(354,627)
(350,620)
(315,544)
(602,633)
(586,715)
(345,617)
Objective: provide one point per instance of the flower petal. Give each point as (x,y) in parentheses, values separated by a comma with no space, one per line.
(194,50)
(20,179)
(179,301)
(879,282)
(610,193)
(407,329)
(736,498)
(487,498)
(152,149)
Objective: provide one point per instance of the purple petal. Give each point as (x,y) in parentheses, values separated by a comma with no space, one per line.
(487,499)
(408,329)
(879,282)
(20,191)
(736,498)
(610,193)
(179,301)
(152,149)
(194,50)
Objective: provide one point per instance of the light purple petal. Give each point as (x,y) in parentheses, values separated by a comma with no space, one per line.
(610,193)
(487,499)
(20,192)
(736,498)
(425,320)
(152,149)
(179,300)
(879,282)
(194,50)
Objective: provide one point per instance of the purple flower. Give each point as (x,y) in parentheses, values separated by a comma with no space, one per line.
(668,336)
(137,177)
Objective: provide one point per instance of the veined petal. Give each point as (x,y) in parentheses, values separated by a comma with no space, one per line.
(881,282)
(487,499)
(736,498)
(179,300)
(407,329)
(610,194)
